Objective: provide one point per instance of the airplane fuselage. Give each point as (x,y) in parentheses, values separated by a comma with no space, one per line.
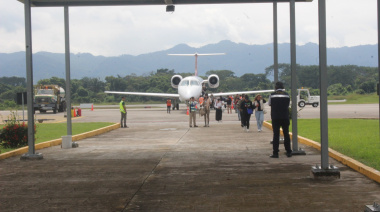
(190,87)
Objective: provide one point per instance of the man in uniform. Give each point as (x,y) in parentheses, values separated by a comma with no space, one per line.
(206,107)
(279,101)
(123,112)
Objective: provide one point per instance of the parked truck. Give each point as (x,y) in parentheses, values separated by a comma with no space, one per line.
(49,97)
(304,98)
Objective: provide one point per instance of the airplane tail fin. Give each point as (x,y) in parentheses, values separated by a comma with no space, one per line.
(196,58)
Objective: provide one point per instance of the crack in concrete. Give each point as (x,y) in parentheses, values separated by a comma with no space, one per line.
(152,171)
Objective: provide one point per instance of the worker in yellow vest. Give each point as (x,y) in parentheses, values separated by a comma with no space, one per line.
(123,112)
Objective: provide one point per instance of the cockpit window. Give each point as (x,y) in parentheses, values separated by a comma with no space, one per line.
(194,82)
(185,83)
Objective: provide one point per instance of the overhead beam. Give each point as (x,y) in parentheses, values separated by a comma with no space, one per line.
(58,3)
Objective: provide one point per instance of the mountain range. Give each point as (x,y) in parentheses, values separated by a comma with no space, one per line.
(240,58)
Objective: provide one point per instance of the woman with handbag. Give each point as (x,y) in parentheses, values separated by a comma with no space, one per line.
(246,109)
(218,107)
(259,111)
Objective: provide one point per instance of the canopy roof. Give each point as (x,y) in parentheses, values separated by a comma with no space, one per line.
(57,3)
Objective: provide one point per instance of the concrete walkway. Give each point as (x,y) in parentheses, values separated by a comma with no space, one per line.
(160,164)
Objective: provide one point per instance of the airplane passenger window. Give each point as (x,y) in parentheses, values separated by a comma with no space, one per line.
(193,82)
(185,83)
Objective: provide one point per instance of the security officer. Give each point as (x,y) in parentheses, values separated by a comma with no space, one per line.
(279,102)
(123,112)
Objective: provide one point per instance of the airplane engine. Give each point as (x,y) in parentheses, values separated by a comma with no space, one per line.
(176,79)
(213,81)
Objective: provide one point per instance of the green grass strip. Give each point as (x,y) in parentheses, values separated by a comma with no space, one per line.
(356,99)
(356,138)
(51,131)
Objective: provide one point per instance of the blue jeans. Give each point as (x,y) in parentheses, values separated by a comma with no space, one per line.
(260,119)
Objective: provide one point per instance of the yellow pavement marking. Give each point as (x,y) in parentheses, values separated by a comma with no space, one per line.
(345,160)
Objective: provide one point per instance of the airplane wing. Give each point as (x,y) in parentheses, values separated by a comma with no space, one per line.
(196,54)
(241,92)
(172,95)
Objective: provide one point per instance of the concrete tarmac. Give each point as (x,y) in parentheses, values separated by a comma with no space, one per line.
(160,164)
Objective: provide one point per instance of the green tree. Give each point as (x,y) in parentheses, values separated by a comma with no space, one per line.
(222,74)
(165,71)
(82,92)
(116,83)
(336,89)
(369,86)
(252,81)
(94,85)
(4,88)
(13,81)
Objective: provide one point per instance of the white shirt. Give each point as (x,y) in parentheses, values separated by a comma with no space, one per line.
(218,105)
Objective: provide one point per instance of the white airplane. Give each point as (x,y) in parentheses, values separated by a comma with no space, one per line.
(191,86)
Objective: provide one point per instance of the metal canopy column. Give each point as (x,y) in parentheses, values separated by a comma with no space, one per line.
(67,64)
(293,65)
(275,43)
(67,140)
(29,84)
(323,84)
(324,170)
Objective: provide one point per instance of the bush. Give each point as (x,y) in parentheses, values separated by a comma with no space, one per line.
(10,103)
(14,134)
(359,91)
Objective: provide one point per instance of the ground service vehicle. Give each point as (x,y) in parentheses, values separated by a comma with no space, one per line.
(304,98)
(49,97)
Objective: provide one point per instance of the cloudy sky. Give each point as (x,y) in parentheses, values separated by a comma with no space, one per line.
(114,31)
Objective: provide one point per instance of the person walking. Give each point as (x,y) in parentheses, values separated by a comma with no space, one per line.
(241,100)
(259,111)
(123,112)
(279,102)
(229,102)
(236,99)
(237,105)
(193,110)
(168,105)
(206,107)
(218,107)
(246,110)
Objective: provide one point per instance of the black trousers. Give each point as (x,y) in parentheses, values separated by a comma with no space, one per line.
(276,124)
(218,114)
(245,119)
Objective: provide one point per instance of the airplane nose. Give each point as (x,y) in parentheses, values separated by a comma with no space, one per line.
(187,96)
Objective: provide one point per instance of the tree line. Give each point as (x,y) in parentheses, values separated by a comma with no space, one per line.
(342,80)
